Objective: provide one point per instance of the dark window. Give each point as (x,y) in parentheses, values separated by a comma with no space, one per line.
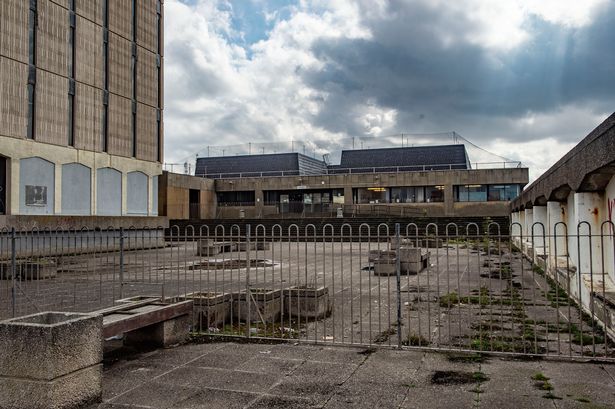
(238,198)
(434,194)
(470,193)
(408,194)
(32,24)
(105,118)
(370,195)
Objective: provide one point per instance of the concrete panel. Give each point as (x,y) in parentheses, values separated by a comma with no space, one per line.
(147,30)
(608,229)
(51,108)
(120,63)
(13,98)
(90,9)
(36,186)
(108,192)
(88,118)
(120,17)
(14,29)
(147,135)
(120,126)
(89,38)
(76,189)
(52,38)
(147,78)
(138,193)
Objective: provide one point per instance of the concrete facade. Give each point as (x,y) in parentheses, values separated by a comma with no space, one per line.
(573,206)
(174,198)
(80,85)
(444,180)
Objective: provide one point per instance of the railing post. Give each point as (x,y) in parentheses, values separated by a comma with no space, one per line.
(248,293)
(13,271)
(121,262)
(398,274)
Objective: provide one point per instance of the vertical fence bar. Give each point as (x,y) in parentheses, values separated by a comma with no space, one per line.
(248,293)
(13,271)
(121,262)
(398,276)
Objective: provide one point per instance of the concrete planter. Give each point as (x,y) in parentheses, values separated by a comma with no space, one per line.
(306,302)
(266,301)
(38,269)
(385,268)
(208,247)
(254,245)
(137,299)
(50,360)
(210,309)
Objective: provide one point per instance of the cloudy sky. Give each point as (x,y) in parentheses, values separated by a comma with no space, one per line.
(524,79)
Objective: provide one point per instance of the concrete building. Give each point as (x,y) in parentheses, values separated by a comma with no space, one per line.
(423,181)
(81,100)
(564,221)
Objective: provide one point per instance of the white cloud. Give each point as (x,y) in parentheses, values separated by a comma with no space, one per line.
(219,93)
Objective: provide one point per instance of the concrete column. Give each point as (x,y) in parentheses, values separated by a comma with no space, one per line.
(515,230)
(522,223)
(588,218)
(259,198)
(540,229)
(13,187)
(557,245)
(348,195)
(527,229)
(449,201)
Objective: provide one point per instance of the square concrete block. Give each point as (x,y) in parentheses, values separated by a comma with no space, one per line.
(210,309)
(385,268)
(50,360)
(163,334)
(265,301)
(47,345)
(306,302)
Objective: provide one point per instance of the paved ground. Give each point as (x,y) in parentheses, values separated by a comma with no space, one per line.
(230,375)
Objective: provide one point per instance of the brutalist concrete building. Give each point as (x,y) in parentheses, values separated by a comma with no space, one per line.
(435,181)
(81,100)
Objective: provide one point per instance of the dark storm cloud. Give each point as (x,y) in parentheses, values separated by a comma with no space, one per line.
(438,85)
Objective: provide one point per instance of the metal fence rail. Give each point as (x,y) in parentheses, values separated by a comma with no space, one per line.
(470,289)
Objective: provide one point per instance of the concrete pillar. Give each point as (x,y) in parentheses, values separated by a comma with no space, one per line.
(449,201)
(515,230)
(588,219)
(557,245)
(259,199)
(539,230)
(348,195)
(522,228)
(527,229)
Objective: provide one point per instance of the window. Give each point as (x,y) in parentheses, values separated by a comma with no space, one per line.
(239,198)
(503,192)
(407,194)
(434,194)
(470,193)
(371,195)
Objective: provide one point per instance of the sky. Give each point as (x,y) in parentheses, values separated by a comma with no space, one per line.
(522,79)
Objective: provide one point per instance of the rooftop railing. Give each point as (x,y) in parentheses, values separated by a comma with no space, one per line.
(363,170)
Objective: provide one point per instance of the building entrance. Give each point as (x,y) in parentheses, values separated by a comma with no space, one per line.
(2,185)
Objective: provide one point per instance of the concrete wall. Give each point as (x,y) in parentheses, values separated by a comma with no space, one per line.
(109,192)
(174,194)
(137,193)
(36,174)
(76,189)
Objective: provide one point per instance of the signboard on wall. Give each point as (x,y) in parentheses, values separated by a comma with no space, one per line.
(36,196)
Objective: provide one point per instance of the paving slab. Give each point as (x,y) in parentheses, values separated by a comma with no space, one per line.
(233,375)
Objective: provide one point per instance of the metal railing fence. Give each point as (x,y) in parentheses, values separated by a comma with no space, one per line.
(465,288)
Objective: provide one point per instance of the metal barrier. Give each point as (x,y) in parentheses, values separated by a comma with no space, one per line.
(465,289)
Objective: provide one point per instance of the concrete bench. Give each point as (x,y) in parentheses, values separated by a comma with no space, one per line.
(148,322)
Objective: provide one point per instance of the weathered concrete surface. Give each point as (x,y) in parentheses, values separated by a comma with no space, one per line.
(229,375)
(50,360)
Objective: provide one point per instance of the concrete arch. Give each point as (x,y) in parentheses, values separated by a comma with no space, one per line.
(137,192)
(36,186)
(108,192)
(76,189)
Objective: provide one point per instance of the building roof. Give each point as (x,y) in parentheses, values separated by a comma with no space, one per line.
(277,164)
(413,158)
